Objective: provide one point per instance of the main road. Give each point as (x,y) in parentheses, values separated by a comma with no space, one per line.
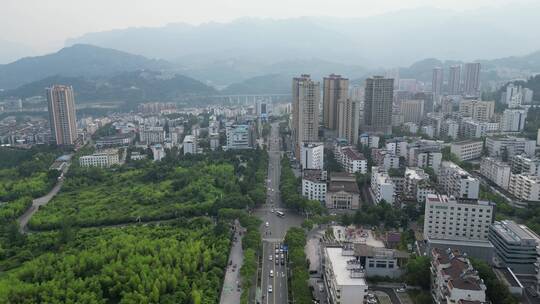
(274,273)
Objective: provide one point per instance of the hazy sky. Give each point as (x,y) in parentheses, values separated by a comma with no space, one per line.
(45,24)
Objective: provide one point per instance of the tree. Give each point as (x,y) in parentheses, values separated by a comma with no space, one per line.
(418,272)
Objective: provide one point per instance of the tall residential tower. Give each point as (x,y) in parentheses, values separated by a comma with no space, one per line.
(378,105)
(306,96)
(335,90)
(62,114)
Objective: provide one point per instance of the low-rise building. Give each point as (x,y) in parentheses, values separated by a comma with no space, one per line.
(467,149)
(380,262)
(385,159)
(102,159)
(457,182)
(515,246)
(239,136)
(119,140)
(314,184)
(190,144)
(509,146)
(496,171)
(382,186)
(352,161)
(342,192)
(344,278)
(417,185)
(525,187)
(152,135)
(454,279)
(523,164)
(425,153)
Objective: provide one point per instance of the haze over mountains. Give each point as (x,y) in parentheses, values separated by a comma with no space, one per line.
(371,42)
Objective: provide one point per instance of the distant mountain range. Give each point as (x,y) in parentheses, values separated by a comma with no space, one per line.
(77,60)
(393,39)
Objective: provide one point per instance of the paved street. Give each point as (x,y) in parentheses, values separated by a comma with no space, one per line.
(275,227)
(231,292)
(38,202)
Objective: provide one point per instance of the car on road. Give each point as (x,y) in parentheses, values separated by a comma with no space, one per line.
(266,224)
(270,257)
(277,260)
(269,288)
(401,290)
(282,261)
(271,273)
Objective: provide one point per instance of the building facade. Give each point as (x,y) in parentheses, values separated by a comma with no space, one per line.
(103,159)
(457,182)
(342,192)
(335,90)
(62,118)
(348,121)
(312,156)
(305,101)
(314,184)
(378,99)
(468,149)
(496,171)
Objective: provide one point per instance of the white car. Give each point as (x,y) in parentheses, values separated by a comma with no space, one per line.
(270,257)
(401,290)
(271,273)
(266,224)
(269,288)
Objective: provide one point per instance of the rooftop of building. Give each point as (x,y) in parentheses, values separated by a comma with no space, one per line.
(352,153)
(342,185)
(459,270)
(339,262)
(511,232)
(467,142)
(365,250)
(313,175)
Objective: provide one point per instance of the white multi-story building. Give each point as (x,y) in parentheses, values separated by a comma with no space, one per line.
(342,192)
(454,280)
(312,156)
(475,129)
(385,159)
(152,135)
(158,152)
(369,140)
(417,185)
(499,146)
(446,218)
(496,171)
(344,278)
(382,186)
(352,161)
(449,128)
(314,184)
(239,136)
(457,182)
(190,144)
(425,153)
(513,120)
(477,110)
(102,159)
(525,187)
(397,147)
(522,164)
(467,149)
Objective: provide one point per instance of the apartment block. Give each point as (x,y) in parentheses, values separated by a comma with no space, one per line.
(425,154)
(417,185)
(513,120)
(152,135)
(525,187)
(385,159)
(457,182)
(306,97)
(352,161)
(314,184)
(190,144)
(454,280)
(509,146)
(496,171)
(467,149)
(477,110)
(475,129)
(62,116)
(382,186)
(397,146)
(335,90)
(239,136)
(312,156)
(522,164)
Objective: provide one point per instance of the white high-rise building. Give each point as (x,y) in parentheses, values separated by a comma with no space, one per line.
(312,156)
(457,182)
(454,80)
(496,171)
(306,97)
(437,82)
(412,110)
(335,90)
(378,101)
(513,120)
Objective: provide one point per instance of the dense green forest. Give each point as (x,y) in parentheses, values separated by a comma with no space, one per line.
(191,186)
(181,262)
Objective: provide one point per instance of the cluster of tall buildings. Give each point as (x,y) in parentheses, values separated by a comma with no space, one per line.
(462,80)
